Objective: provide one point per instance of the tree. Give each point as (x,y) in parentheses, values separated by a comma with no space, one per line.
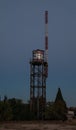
(60,106)
(56,110)
(59,96)
(5,111)
(20,110)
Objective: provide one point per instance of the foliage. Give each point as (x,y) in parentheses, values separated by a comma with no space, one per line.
(57,110)
(15,109)
(20,110)
(5,111)
(60,105)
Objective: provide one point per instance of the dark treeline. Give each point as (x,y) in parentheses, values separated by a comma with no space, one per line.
(14,109)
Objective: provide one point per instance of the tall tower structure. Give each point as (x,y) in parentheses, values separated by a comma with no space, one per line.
(38,76)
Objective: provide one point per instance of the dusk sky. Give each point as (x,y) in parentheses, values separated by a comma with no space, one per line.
(22,29)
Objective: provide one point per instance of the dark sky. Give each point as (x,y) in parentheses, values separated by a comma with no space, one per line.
(22,29)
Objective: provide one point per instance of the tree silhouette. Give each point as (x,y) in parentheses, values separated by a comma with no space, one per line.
(60,106)
(57,109)
(59,96)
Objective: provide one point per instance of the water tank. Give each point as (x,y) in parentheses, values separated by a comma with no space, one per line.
(38,55)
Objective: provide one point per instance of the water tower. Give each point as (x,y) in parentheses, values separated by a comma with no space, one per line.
(38,76)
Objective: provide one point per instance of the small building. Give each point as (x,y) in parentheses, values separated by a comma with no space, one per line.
(70,115)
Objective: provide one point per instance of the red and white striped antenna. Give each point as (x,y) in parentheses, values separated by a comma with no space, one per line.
(46,42)
(46,36)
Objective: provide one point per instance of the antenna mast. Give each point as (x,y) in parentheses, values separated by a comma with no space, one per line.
(46,40)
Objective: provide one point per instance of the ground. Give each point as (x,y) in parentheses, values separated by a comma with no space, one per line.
(38,125)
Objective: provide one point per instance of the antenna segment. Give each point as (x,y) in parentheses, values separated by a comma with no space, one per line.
(46,36)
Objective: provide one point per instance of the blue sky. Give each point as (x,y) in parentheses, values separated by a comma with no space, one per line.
(22,29)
